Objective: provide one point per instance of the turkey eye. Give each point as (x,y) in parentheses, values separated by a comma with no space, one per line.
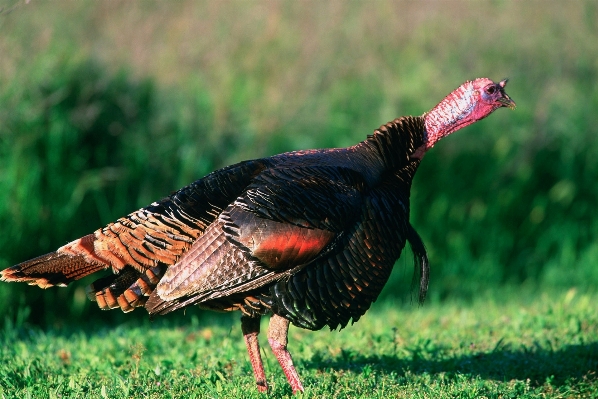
(490,90)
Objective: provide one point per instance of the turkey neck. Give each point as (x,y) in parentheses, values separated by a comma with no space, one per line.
(395,142)
(450,115)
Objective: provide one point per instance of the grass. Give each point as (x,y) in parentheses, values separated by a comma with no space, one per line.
(537,345)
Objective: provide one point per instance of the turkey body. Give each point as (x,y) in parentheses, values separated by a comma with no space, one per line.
(310,237)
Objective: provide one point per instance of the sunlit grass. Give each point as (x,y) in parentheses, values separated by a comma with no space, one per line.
(507,344)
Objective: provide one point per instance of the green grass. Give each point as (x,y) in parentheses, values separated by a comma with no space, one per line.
(509,344)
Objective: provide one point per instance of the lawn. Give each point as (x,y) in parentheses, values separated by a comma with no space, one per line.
(506,344)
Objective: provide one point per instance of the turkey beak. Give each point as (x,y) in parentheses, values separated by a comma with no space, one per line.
(505,100)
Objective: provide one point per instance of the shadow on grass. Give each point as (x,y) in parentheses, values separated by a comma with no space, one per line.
(539,365)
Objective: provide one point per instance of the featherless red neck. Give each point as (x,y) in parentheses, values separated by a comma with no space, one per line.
(470,102)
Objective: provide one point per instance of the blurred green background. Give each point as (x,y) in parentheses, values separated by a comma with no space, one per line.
(108,106)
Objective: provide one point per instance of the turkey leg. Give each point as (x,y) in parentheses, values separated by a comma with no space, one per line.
(277,337)
(251,328)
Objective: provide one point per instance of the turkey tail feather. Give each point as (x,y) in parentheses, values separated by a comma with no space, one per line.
(127,290)
(421,263)
(51,269)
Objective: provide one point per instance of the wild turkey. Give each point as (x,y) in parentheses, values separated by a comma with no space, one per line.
(308,236)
